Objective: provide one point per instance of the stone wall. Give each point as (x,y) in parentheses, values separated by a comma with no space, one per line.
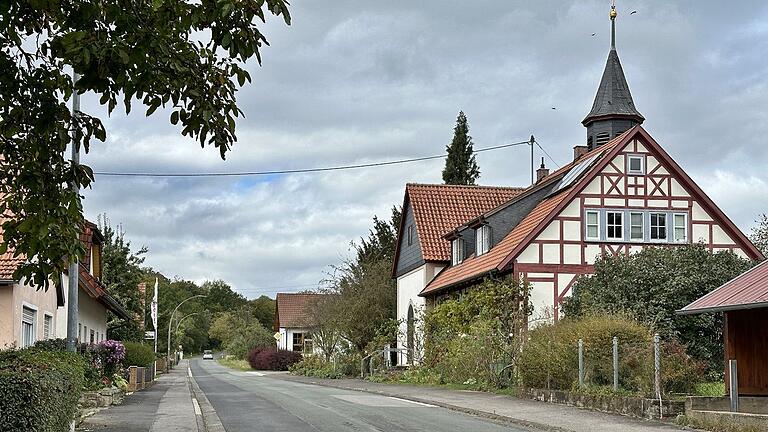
(624,405)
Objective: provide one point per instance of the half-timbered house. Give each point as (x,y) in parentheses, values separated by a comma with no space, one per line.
(621,193)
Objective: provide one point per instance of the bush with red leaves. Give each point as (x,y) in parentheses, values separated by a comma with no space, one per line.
(269,358)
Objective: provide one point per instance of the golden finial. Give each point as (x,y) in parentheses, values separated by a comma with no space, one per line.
(613,12)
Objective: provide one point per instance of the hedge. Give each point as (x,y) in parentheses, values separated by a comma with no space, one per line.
(39,390)
(138,354)
(269,358)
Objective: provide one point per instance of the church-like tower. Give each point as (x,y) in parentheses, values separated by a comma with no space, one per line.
(613,111)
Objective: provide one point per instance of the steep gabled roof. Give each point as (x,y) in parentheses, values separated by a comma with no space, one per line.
(749,290)
(295,310)
(516,241)
(438,209)
(475,267)
(496,259)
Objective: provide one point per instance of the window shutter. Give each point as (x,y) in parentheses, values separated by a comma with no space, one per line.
(28,315)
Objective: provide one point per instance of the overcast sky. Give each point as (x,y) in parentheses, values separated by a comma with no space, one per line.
(354,82)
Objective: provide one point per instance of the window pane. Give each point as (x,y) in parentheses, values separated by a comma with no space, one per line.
(680,234)
(635,164)
(679,221)
(592,218)
(592,231)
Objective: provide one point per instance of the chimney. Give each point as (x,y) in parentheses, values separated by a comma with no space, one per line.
(541,172)
(579,151)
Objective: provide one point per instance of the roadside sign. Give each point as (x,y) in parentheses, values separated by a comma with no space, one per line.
(149,335)
(277,336)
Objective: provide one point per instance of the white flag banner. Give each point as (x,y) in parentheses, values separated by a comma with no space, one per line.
(154,308)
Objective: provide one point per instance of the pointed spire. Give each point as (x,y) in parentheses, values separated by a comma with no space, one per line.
(613,27)
(613,110)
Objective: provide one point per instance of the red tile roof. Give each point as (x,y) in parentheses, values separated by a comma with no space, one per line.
(747,291)
(8,265)
(475,267)
(295,310)
(438,209)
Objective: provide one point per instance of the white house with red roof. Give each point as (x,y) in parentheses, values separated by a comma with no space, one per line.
(621,193)
(295,321)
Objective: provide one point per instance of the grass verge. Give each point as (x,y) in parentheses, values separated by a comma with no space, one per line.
(234,363)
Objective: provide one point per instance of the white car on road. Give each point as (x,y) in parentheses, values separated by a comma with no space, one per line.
(207,355)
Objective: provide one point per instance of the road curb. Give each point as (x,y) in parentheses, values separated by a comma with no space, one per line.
(465,410)
(208,421)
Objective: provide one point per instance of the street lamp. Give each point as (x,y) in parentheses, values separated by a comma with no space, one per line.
(177,328)
(170,322)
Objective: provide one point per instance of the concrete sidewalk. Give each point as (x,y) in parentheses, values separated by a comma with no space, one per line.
(166,406)
(525,412)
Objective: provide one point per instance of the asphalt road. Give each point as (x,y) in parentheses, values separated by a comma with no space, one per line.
(245,401)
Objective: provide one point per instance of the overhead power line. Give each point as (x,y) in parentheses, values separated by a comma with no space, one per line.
(297,171)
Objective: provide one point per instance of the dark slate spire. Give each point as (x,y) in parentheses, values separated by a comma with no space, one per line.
(613,111)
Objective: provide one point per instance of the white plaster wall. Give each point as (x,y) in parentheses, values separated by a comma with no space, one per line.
(542,300)
(12,299)
(92,315)
(409,286)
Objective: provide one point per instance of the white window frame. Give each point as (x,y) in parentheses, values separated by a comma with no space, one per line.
(641,158)
(621,225)
(684,227)
(47,316)
(642,226)
(482,240)
(457,251)
(587,225)
(33,308)
(664,239)
(410,235)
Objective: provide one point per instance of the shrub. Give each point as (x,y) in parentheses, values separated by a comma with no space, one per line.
(316,366)
(39,389)
(550,357)
(138,354)
(270,358)
(256,337)
(473,338)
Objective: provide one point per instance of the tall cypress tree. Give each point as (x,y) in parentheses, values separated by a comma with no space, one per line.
(460,165)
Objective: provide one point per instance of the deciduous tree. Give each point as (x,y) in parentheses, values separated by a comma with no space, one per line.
(183,55)
(654,283)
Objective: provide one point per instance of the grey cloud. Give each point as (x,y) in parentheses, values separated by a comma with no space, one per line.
(353,82)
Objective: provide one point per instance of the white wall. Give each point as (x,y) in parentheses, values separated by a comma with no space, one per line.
(92,314)
(286,338)
(13,299)
(409,286)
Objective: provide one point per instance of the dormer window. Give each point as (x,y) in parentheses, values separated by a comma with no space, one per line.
(457,251)
(482,240)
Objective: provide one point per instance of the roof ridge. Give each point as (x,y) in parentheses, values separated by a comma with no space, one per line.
(467,186)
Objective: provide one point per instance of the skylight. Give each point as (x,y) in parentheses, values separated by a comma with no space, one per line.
(575,173)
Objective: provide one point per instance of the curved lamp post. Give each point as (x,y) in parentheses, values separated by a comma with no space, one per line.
(179,324)
(170,323)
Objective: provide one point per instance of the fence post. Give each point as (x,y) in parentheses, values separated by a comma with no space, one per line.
(657,370)
(733,381)
(581,363)
(615,363)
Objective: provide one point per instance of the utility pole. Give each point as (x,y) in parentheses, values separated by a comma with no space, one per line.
(533,140)
(73,314)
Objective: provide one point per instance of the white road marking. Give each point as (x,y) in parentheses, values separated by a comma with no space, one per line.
(413,402)
(255,373)
(189,372)
(197,407)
